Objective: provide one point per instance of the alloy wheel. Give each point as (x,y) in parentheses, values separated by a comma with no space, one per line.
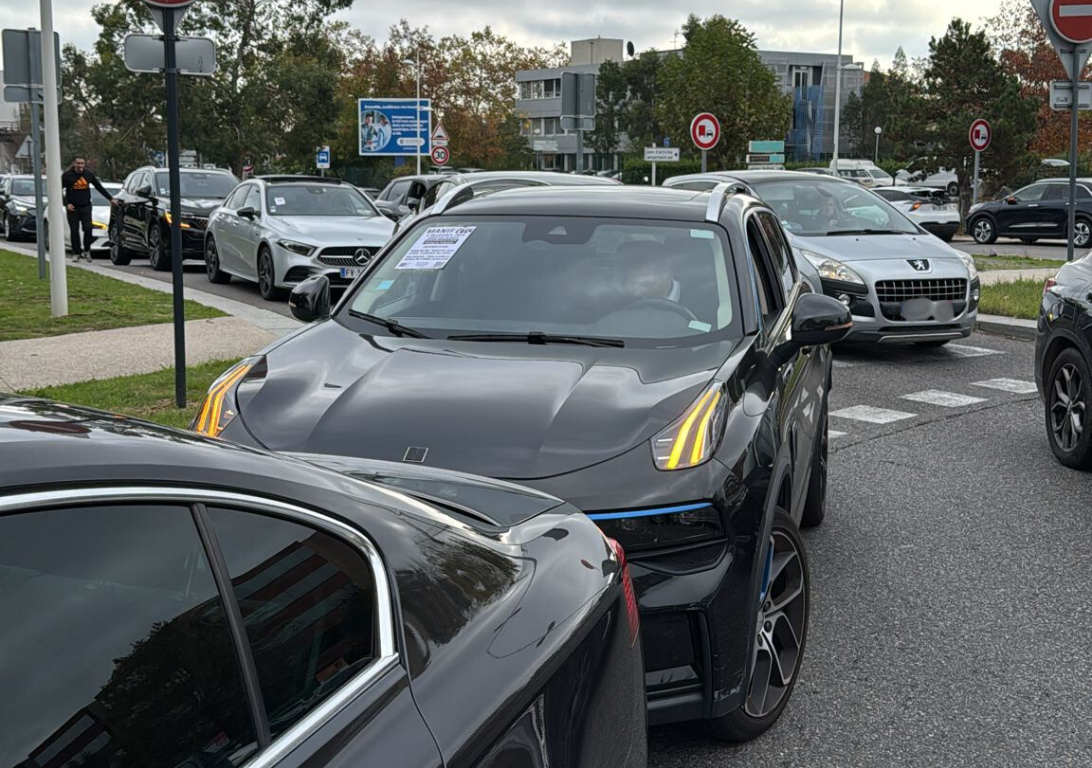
(265,274)
(781,625)
(212,261)
(1067,407)
(983,230)
(1082,233)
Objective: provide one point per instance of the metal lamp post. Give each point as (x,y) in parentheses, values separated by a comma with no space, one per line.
(879,130)
(417,66)
(838,88)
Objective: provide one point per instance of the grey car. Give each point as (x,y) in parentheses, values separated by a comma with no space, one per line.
(901,284)
(280,230)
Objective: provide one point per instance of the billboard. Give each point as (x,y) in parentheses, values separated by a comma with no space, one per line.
(389,127)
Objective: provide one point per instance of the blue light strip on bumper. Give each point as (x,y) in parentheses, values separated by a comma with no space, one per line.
(647,512)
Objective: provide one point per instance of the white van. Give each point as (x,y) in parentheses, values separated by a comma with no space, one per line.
(864,172)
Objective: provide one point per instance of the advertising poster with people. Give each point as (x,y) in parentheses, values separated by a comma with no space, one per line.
(390,126)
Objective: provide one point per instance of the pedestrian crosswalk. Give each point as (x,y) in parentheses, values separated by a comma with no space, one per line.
(943,399)
(1016,386)
(872,415)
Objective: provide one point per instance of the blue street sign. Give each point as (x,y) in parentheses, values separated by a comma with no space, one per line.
(667,141)
(160,159)
(322,159)
(390,127)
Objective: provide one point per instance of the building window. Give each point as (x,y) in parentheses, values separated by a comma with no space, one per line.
(540,89)
(551,126)
(552,88)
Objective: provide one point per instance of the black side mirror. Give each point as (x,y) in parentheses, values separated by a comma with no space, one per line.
(247,213)
(145,191)
(816,320)
(310,300)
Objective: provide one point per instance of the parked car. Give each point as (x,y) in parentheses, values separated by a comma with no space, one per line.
(280,230)
(402,196)
(1038,211)
(942,178)
(199,604)
(140,222)
(491,181)
(19,207)
(900,285)
(927,207)
(596,343)
(100,220)
(864,172)
(1063,363)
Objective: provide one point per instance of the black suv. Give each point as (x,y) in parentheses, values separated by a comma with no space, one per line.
(652,356)
(140,222)
(1038,211)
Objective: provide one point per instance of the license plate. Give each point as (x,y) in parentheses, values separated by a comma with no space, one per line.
(351,271)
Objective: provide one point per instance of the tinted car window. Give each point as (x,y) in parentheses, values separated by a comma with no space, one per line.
(697,186)
(238,196)
(770,298)
(308,601)
(253,198)
(211,186)
(1082,193)
(894,195)
(637,280)
(396,190)
(114,646)
(1056,192)
(779,250)
(1030,194)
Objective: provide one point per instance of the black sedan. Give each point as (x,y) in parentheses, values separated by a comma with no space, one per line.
(649,355)
(178,602)
(1063,362)
(19,209)
(140,222)
(1038,211)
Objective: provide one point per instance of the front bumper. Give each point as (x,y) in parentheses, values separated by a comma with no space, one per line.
(340,264)
(945,230)
(21,224)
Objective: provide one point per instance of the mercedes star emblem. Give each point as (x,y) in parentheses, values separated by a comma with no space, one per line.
(362,256)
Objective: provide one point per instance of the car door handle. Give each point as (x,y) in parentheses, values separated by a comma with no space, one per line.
(1033,205)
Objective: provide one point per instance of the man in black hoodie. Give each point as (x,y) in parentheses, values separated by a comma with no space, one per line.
(76,183)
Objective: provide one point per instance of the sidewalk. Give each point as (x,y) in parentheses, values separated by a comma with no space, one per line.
(71,358)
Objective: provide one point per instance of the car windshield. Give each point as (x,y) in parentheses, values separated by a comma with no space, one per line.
(641,283)
(213,186)
(317,200)
(820,207)
(24,187)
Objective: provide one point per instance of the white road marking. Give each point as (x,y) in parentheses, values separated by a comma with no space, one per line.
(943,399)
(963,350)
(844,364)
(1016,386)
(872,415)
(835,434)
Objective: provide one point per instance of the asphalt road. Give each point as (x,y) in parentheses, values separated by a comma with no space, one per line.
(951,617)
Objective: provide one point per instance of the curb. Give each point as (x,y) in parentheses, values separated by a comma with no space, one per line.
(1012,327)
(262,318)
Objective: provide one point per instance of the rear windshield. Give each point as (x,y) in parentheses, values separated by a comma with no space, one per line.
(647,283)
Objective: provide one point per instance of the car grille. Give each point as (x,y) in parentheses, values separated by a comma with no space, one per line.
(196,222)
(339,256)
(934,290)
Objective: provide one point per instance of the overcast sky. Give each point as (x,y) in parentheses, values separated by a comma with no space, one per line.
(874,29)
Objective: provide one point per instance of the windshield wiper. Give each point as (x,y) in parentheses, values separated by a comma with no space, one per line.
(535,337)
(839,232)
(390,324)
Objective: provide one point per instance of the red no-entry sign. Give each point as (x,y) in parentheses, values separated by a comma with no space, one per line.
(705,131)
(1072,19)
(981,135)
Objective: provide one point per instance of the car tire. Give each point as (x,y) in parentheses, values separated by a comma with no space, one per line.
(9,228)
(952,189)
(785,603)
(815,501)
(267,286)
(984,231)
(119,255)
(1067,391)
(158,255)
(212,264)
(1082,232)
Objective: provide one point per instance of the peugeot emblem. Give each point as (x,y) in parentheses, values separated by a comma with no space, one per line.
(919,265)
(362,256)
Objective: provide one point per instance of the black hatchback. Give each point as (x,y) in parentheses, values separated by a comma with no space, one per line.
(651,356)
(1039,211)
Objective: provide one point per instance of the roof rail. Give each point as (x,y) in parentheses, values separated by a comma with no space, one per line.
(718,196)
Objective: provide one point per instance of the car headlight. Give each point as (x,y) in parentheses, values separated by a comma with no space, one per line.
(21,209)
(220,406)
(831,269)
(693,437)
(182,223)
(669,526)
(303,249)
(968,262)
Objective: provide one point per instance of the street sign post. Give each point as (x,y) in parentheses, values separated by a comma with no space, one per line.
(1068,26)
(322,160)
(1061,96)
(705,133)
(193,55)
(656,154)
(440,155)
(980,136)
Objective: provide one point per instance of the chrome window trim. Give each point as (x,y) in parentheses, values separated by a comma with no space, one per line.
(387,658)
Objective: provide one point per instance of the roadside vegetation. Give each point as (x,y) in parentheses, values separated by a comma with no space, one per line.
(992,263)
(1018,298)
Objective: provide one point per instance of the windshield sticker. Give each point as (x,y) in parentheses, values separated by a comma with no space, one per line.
(698,325)
(435,248)
(702,234)
(385,285)
(278,200)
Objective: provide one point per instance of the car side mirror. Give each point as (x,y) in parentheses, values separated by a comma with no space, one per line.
(310,300)
(413,203)
(247,213)
(816,320)
(145,191)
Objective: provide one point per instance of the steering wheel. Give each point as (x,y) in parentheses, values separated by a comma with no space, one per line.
(654,302)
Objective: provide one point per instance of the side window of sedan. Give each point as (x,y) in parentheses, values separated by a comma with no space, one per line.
(253,199)
(308,601)
(771,300)
(1056,193)
(1030,194)
(115,648)
(779,250)
(235,202)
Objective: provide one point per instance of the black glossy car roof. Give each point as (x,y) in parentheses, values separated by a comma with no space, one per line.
(289,179)
(608,201)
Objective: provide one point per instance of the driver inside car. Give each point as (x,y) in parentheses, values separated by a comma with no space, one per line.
(649,274)
(833,216)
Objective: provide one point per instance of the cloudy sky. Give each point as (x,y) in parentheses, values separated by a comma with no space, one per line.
(874,29)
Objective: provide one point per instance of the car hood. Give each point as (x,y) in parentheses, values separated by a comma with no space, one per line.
(505,410)
(340,230)
(851,248)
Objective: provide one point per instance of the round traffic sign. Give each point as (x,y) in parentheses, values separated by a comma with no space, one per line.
(440,155)
(1072,19)
(981,135)
(168,3)
(705,131)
